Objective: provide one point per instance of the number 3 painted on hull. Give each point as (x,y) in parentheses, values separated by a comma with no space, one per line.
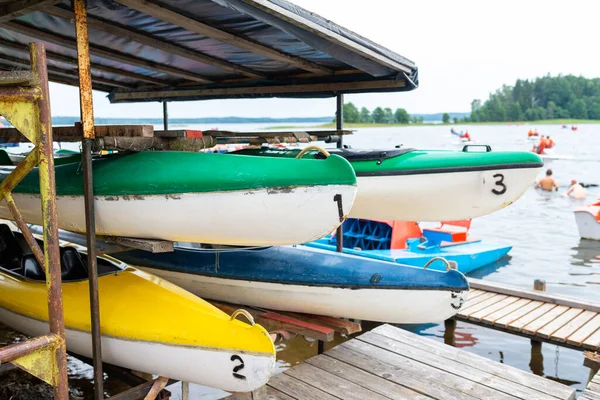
(499,182)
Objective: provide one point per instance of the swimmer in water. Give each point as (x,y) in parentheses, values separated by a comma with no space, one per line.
(576,190)
(547,183)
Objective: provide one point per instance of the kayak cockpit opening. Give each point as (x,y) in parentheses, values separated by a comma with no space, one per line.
(17,258)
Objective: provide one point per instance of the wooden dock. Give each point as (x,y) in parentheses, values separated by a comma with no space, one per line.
(592,392)
(538,315)
(390,363)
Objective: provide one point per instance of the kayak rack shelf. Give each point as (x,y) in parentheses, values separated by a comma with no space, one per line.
(391,363)
(144,137)
(537,315)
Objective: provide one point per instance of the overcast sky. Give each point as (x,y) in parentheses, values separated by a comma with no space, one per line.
(464,49)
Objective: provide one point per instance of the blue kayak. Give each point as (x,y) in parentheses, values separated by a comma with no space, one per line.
(307,280)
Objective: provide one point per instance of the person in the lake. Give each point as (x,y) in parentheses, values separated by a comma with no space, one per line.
(576,191)
(466,136)
(547,183)
(541,146)
(549,142)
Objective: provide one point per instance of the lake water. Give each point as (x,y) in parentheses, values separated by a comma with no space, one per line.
(540,227)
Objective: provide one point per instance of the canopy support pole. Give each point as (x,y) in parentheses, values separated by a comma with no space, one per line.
(165,116)
(87,123)
(339,123)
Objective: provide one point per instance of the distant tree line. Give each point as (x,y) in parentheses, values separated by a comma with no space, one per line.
(378,115)
(559,97)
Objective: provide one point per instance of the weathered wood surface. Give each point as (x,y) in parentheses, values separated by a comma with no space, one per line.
(74,133)
(592,392)
(389,363)
(538,315)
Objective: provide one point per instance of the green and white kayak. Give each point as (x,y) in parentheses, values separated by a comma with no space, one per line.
(200,197)
(431,185)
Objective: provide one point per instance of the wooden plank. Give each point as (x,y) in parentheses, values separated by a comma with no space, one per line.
(208,93)
(155,42)
(537,324)
(518,313)
(264,393)
(153,143)
(476,300)
(495,316)
(104,52)
(466,312)
(297,389)
(408,374)
(592,342)
(577,338)
(563,333)
(474,293)
(74,134)
(534,295)
(364,379)
(202,29)
(594,387)
(303,324)
(427,372)
(518,324)
(497,384)
(339,325)
(479,315)
(18,78)
(332,384)
(294,326)
(592,361)
(512,374)
(558,323)
(589,395)
(153,246)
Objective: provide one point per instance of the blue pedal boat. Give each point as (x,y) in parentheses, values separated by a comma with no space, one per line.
(375,240)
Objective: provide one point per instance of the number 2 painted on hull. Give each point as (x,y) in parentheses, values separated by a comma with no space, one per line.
(238,367)
(499,182)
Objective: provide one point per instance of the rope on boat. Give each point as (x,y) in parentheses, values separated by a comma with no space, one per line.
(449,264)
(245,313)
(313,147)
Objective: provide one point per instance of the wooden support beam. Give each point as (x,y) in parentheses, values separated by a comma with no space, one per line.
(101,51)
(192,25)
(148,40)
(153,246)
(153,143)
(15,9)
(73,133)
(73,61)
(591,360)
(59,79)
(256,90)
(68,74)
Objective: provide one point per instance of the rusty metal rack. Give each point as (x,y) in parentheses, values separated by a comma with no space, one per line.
(25,103)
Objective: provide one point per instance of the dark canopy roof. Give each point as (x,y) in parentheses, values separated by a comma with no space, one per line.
(150,50)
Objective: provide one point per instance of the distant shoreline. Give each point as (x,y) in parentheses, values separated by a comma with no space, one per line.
(331,125)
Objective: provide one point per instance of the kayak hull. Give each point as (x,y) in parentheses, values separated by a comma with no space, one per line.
(147,323)
(587,224)
(176,362)
(250,218)
(440,196)
(403,306)
(301,279)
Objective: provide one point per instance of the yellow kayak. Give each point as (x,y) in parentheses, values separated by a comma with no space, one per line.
(147,323)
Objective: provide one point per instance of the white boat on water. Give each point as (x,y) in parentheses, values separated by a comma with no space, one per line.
(588,221)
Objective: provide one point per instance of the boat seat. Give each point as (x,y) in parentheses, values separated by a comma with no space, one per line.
(10,249)
(32,268)
(71,264)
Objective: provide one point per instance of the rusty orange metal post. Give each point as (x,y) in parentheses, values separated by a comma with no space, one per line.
(339,124)
(87,123)
(28,109)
